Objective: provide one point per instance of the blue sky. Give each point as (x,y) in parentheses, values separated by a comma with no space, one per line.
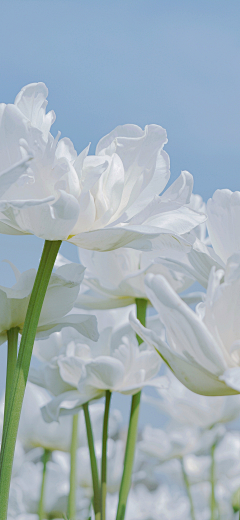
(176,64)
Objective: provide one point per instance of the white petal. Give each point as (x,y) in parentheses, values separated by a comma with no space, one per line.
(105,373)
(232,378)
(84,324)
(186,333)
(65,404)
(190,373)
(115,237)
(9,176)
(62,292)
(31,101)
(71,369)
(223,222)
(180,190)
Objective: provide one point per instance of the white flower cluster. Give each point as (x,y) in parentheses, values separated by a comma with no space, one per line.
(138,244)
(165,459)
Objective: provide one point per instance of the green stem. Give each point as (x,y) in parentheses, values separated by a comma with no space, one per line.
(212,480)
(10,429)
(73,469)
(104,454)
(141,305)
(188,489)
(93,461)
(12,336)
(41,512)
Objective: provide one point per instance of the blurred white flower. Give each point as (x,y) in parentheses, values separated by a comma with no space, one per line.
(202,347)
(192,409)
(145,505)
(34,431)
(115,456)
(84,370)
(26,485)
(61,294)
(97,202)
(169,444)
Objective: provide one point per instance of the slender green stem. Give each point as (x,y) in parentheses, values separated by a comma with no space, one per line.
(212,479)
(20,376)
(93,461)
(73,470)
(188,489)
(104,455)
(12,335)
(41,512)
(141,305)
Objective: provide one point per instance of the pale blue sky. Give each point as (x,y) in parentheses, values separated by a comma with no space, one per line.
(175,63)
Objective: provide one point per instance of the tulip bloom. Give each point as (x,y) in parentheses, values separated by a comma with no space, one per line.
(35,432)
(61,294)
(83,370)
(223,212)
(191,409)
(98,202)
(202,347)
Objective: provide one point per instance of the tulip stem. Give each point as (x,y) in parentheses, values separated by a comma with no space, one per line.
(73,469)
(188,489)
(141,305)
(93,461)
(104,455)
(41,512)
(212,480)
(12,336)
(20,376)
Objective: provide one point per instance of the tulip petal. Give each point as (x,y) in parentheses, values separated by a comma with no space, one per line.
(185,331)
(65,404)
(83,323)
(223,211)
(232,378)
(12,174)
(195,377)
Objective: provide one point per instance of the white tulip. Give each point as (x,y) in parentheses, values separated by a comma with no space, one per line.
(202,347)
(186,407)
(25,490)
(115,456)
(145,505)
(61,294)
(223,211)
(169,444)
(99,202)
(83,370)
(116,278)
(34,431)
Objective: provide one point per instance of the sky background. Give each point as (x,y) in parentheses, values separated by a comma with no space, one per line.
(106,63)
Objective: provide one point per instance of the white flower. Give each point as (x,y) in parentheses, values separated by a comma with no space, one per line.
(25,490)
(115,456)
(115,278)
(99,202)
(192,409)
(34,431)
(61,294)
(85,370)
(145,505)
(223,211)
(169,444)
(202,347)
